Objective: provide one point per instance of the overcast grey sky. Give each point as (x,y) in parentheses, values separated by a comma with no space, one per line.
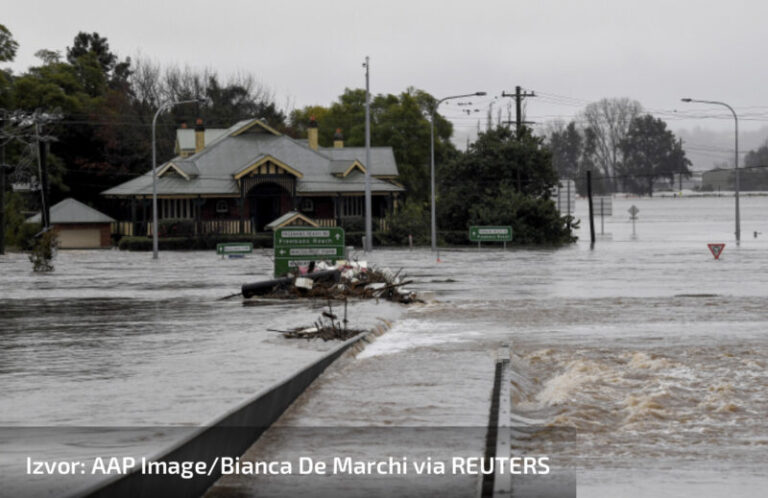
(568,52)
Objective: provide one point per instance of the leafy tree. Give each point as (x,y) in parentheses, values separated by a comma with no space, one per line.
(567,147)
(400,121)
(503,179)
(96,48)
(650,151)
(755,173)
(757,158)
(8,45)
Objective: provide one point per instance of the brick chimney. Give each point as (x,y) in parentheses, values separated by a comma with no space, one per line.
(312,133)
(199,135)
(338,139)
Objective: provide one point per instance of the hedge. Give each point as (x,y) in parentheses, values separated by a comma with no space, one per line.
(191,243)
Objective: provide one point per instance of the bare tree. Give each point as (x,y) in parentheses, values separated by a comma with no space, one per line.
(609,121)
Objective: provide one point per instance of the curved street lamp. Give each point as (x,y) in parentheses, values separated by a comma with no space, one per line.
(162,108)
(432,159)
(736,158)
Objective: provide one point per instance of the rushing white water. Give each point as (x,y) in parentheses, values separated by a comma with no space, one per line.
(642,362)
(647,349)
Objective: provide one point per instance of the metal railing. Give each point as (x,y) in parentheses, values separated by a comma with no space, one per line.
(223,227)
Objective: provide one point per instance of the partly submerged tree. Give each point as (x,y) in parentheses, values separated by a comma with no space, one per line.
(650,152)
(567,146)
(503,179)
(608,121)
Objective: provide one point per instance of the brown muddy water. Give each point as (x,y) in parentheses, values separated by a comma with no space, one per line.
(639,365)
(646,352)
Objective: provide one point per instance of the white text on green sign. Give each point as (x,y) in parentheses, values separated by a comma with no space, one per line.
(490,233)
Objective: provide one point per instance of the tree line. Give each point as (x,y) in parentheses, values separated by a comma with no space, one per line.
(99,109)
(628,150)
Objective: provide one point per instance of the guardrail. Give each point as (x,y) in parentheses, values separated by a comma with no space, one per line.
(228,436)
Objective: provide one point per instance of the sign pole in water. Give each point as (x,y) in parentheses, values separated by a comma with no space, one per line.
(716,249)
(633,216)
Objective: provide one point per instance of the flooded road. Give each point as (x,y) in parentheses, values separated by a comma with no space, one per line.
(649,350)
(646,352)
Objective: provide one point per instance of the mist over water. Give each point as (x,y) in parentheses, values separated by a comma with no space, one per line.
(649,350)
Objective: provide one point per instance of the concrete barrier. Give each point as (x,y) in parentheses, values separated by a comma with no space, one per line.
(229,436)
(498,437)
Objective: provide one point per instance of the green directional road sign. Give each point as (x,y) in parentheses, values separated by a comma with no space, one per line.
(490,234)
(225,248)
(297,246)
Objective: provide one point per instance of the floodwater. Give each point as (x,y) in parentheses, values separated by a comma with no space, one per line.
(650,353)
(640,364)
(116,340)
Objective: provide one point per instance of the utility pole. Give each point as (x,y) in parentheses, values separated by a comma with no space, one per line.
(42,163)
(591,212)
(2,183)
(519,95)
(368,245)
(682,165)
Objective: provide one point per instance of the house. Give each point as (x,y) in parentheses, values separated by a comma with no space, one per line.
(78,226)
(241,179)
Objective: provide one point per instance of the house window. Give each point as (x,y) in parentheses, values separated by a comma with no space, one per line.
(176,208)
(307,205)
(222,207)
(352,207)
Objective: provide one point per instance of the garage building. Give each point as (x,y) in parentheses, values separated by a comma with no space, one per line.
(79,226)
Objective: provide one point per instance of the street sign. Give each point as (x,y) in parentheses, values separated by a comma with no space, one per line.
(226,248)
(603,205)
(716,249)
(490,234)
(297,246)
(564,196)
(633,211)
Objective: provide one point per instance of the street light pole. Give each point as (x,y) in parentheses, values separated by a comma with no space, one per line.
(432,160)
(736,158)
(162,108)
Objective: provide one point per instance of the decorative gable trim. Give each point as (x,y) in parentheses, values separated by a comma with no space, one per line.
(170,166)
(268,165)
(256,123)
(355,164)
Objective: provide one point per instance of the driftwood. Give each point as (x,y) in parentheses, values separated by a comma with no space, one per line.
(339,284)
(327,330)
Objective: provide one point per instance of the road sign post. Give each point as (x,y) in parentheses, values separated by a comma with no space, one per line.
(633,216)
(716,249)
(232,248)
(490,234)
(605,205)
(297,246)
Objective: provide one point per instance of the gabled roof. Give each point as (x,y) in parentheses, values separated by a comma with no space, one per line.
(250,146)
(72,211)
(354,182)
(382,158)
(184,168)
(290,218)
(343,168)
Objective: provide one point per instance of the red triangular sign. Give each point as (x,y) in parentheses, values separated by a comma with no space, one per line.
(716,249)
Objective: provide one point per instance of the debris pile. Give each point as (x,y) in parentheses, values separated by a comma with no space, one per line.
(345,279)
(328,327)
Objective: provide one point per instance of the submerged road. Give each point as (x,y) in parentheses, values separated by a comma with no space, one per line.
(631,365)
